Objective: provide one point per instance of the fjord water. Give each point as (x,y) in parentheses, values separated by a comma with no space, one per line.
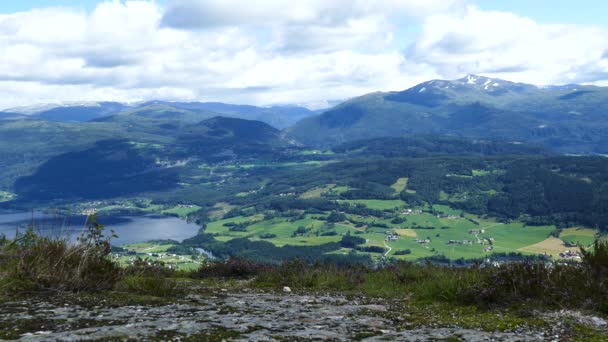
(130,229)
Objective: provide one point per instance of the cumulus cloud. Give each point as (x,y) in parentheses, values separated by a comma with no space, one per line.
(273,51)
(506,45)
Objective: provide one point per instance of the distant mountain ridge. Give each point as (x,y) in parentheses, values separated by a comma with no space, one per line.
(570,118)
(277,116)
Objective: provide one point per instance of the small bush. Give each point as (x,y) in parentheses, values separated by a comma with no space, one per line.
(232,268)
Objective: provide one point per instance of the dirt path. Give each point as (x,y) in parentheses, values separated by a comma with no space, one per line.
(389,248)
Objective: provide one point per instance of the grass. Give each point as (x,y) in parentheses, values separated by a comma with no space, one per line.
(35,262)
(156,286)
(400,184)
(147,247)
(220,209)
(446,210)
(511,237)
(379,204)
(581,236)
(182,210)
(551,246)
(317,192)
(411,233)
(574,286)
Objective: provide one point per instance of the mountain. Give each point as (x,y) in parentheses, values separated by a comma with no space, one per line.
(572,118)
(108,169)
(26,144)
(7,116)
(71,111)
(189,112)
(277,116)
(222,138)
(429,145)
(45,160)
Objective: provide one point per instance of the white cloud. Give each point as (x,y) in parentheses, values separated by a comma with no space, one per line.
(273,51)
(506,45)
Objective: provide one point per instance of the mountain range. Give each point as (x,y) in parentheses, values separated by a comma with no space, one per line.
(566,119)
(277,116)
(569,119)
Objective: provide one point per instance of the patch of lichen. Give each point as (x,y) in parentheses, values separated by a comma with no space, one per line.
(110,299)
(14,329)
(577,332)
(418,315)
(210,335)
(359,336)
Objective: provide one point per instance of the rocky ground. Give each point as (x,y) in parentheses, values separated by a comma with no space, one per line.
(257,315)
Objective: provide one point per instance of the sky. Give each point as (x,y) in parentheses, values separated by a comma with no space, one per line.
(284,52)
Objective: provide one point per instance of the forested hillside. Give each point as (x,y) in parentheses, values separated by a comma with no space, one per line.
(569,119)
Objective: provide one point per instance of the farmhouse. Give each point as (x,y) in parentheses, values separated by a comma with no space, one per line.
(423,241)
(570,255)
(477,231)
(391,236)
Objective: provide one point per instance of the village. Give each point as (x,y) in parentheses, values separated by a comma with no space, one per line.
(169,260)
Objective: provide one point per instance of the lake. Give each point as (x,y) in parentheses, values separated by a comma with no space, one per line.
(130,229)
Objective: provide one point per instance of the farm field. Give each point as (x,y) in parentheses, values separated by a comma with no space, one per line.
(551,246)
(378,204)
(580,236)
(400,184)
(451,233)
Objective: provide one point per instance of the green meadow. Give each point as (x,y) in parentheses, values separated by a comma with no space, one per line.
(440,228)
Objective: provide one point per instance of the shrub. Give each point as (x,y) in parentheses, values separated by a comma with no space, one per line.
(398,220)
(371,249)
(299,274)
(336,217)
(32,262)
(596,260)
(232,268)
(349,241)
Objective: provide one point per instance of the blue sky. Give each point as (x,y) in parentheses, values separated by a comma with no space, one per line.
(588,12)
(277,52)
(24,5)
